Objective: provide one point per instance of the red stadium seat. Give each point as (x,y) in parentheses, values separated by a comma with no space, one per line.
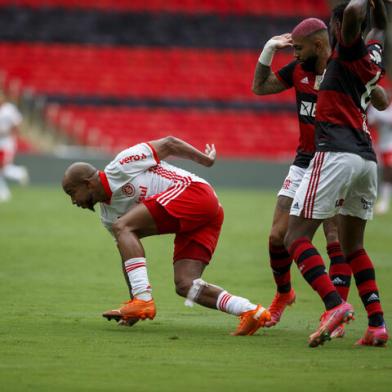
(122,72)
(235,134)
(264,7)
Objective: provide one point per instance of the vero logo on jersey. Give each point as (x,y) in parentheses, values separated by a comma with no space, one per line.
(132,158)
(308,109)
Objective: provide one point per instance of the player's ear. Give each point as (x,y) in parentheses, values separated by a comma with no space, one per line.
(89,182)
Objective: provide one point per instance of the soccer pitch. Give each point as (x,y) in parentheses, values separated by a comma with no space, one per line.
(60,269)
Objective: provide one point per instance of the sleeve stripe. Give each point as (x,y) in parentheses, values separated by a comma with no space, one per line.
(154,153)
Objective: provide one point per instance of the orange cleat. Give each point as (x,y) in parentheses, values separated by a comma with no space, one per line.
(374,336)
(330,321)
(278,305)
(133,309)
(252,320)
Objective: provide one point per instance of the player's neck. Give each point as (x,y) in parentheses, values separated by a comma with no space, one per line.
(321,63)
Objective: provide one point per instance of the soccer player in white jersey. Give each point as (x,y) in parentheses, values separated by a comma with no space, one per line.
(10,120)
(382,120)
(142,195)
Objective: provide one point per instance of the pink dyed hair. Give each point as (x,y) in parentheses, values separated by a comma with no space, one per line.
(308,27)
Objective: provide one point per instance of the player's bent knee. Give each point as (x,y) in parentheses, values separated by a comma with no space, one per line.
(183,287)
(120,227)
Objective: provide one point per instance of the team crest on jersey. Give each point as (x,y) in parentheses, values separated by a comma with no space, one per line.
(128,190)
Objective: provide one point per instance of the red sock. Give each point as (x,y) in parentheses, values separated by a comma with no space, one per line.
(339,270)
(365,280)
(312,269)
(280,262)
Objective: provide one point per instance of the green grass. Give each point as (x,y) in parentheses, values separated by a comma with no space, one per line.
(59,270)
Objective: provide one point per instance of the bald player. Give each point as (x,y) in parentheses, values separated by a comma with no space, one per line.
(141,195)
(310,41)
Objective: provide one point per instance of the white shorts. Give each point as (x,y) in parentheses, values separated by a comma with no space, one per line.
(292,181)
(337,183)
(7,151)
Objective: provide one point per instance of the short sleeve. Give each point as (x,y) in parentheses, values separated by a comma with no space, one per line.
(376,53)
(286,74)
(130,163)
(356,51)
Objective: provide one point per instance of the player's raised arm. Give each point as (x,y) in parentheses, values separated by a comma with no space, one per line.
(265,81)
(353,17)
(379,21)
(172,146)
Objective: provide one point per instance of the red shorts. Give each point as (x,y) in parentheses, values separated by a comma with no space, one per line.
(195,216)
(386,158)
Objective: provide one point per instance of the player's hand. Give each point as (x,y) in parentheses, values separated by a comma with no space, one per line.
(282,41)
(211,153)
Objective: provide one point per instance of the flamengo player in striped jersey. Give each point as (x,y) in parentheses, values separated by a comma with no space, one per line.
(382,120)
(142,195)
(342,177)
(310,41)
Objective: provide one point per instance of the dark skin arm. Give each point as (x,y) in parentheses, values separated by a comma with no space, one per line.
(264,81)
(379,21)
(354,15)
(172,146)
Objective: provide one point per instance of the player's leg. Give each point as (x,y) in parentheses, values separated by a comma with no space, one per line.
(356,211)
(190,285)
(324,183)
(16,173)
(193,250)
(383,204)
(128,230)
(280,261)
(339,270)
(5,193)
(352,230)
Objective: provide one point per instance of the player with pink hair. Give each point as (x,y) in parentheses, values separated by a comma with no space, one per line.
(311,51)
(310,40)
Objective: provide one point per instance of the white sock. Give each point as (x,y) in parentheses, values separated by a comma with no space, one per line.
(386,191)
(232,304)
(136,269)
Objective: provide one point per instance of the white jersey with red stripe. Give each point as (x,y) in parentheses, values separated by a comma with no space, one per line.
(10,117)
(136,174)
(383,122)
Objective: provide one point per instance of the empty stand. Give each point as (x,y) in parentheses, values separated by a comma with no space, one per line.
(237,135)
(116,72)
(264,7)
(138,72)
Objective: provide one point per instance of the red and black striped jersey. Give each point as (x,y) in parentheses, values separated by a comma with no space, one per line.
(306,84)
(351,75)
